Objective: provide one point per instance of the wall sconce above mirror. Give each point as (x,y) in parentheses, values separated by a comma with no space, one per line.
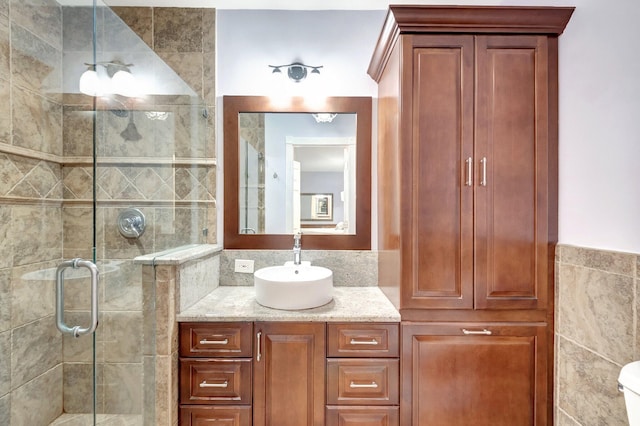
(296,71)
(276,159)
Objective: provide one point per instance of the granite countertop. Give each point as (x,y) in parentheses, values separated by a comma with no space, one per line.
(237,303)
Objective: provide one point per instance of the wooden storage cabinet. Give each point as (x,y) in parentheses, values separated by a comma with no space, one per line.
(484,374)
(244,373)
(467,207)
(362,374)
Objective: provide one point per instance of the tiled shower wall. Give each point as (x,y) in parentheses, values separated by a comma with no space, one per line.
(597,332)
(45,209)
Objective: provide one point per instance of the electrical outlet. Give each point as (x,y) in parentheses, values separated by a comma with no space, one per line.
(244,266)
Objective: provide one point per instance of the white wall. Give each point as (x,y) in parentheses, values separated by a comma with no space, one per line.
(599,96)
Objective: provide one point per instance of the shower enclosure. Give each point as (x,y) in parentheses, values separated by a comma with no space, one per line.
(123,168)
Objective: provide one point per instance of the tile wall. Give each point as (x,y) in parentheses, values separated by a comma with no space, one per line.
(597,332)
(45,202)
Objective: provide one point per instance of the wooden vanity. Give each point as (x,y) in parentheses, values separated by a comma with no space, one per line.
(289,373)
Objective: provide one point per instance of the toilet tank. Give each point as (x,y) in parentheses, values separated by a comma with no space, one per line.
(629,381)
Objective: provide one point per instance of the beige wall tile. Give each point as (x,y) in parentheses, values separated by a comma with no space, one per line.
(78,388)
(36,348)
(4,7)
(122,334)
(122,287)
(80,350)
(6,244)
(209,50)
(37,122)
(5,363)
(5,111)
(78,183)
(563,419)
(596,311)
(177,30)
(615,262)
(32,295)
(38,402)
(35,65)
(77,231)
(197,279)
(78,29)
(139,19)
(587,387)
(188,66)
(5,299)
(36,232)
(41,17)
(5,407)
(123,388)
(77,132)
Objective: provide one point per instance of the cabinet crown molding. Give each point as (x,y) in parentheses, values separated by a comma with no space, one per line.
(412,19)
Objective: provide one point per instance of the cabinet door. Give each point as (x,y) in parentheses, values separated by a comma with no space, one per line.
(289,373)
(512,132)
(474,374)
(439,237)
(215,415)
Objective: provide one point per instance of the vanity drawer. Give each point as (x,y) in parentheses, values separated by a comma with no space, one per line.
(363,381)
(217,415)
(223,339)
(362,340)
(362,416)
(215,381)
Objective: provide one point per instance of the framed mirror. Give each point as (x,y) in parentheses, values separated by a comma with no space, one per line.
(294,168)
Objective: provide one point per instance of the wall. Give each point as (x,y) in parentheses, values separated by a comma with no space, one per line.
(30,210)
(598,331)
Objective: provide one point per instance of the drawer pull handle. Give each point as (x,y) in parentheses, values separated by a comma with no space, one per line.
(204,384)
(363,385)
(364,342)
(484,332)
(258,338)
(214,342)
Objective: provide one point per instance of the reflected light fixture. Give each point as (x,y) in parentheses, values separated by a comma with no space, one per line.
(121,82)
(296,71)
(324,117)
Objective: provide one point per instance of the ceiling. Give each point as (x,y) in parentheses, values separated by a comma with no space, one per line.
(261,4)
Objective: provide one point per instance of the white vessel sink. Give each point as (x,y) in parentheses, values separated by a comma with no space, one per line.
(293,287)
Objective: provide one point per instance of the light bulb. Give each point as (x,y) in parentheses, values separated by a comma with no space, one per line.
(124,83)
(89,83)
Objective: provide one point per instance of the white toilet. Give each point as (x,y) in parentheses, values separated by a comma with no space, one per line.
(629,381)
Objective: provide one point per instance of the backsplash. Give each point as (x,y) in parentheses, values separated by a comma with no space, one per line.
(353,268)
(597,333)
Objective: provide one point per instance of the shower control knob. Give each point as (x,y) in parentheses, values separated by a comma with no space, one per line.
(131,223)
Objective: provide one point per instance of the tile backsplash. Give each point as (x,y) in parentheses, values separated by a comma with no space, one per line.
(353,268)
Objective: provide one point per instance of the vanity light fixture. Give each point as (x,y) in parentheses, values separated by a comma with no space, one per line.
(121,81)
(324,117)
(296,70)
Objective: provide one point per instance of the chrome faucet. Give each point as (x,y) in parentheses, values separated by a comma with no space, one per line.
(297,249)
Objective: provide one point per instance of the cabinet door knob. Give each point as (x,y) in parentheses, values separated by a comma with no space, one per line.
(484,332)
(204,384)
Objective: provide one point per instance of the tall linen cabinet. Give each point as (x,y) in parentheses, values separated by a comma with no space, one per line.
(467,207)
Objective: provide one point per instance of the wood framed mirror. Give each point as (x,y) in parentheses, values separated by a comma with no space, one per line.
(274,154)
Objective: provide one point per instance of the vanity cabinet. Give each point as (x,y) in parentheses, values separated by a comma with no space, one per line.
(363,372)
(289,374)
(245,373)
(467,206)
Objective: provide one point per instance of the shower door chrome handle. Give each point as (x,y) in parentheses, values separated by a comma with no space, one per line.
(76,330)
